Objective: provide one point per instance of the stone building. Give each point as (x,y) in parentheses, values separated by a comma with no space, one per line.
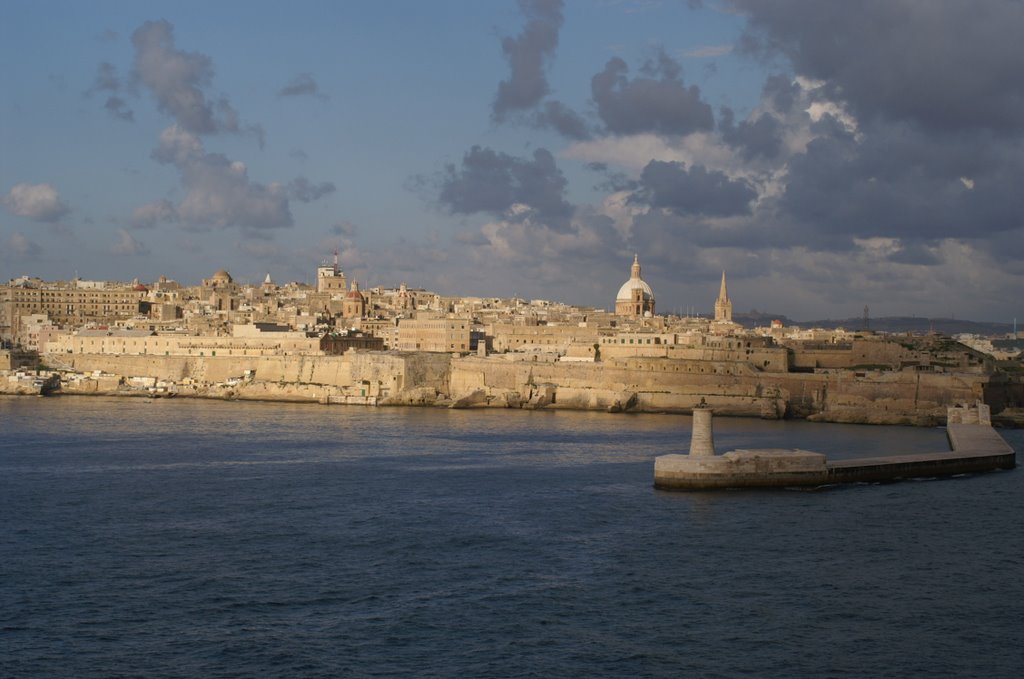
(433,334)
(67,303)
(329,278)
(635,297)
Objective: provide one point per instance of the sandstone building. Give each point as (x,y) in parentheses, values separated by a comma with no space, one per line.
(329,278)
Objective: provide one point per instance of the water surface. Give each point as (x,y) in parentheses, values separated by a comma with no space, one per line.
(194,538)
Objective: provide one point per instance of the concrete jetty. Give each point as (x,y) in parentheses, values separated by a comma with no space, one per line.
(975,447)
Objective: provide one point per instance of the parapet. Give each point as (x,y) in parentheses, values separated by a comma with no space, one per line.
(965,413)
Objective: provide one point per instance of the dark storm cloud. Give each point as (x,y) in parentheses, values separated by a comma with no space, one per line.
(693,191)
(761,137)
(492,182)
(527,55)
(900,181)
(915,253)
(563,120)
(781,93)
(944,64)
(657,101)
(178,80)
(303,190)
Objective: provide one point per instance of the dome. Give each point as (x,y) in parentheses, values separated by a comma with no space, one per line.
(635,297)
(222,275)
(626,291)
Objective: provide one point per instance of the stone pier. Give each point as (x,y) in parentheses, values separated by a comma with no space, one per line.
(976,447)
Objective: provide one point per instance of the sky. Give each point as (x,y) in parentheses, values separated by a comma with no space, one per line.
(827,155)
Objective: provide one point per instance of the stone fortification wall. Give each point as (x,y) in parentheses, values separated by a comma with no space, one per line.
(344,370)
(642,384)
(664,385)
(768,359)
(645,384)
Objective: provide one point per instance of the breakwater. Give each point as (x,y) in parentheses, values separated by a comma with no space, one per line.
(975,447)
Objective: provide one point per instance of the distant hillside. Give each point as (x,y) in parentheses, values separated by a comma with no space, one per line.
(915,324)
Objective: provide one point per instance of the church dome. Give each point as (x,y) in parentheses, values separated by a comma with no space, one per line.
(222,275)
(635,282)
(626,291)
(635,297)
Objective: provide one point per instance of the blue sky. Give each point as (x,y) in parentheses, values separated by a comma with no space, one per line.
(140,139)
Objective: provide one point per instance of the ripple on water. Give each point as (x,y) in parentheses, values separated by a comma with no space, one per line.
(186,538)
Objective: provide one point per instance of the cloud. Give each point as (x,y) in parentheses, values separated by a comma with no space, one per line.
(107,80)
(20,245)
(562,119)
(943,65)
(177,79)
(39,202)
(693,191)
(762,136)
(127,245)
(347,229)
(657,101)
(151,214)
(302,85)
(527,55)
(496,183)
(118,108)
(218,191)
(303,190)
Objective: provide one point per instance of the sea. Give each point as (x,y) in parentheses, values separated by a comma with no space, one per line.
(190,538)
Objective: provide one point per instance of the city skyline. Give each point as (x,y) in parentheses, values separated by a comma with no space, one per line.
(529,149)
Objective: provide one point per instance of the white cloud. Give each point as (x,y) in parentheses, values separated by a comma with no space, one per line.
(218,191)
(632,152)
(39,202)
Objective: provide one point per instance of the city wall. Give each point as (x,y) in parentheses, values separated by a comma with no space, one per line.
(665,385)
(642,384)
(368,374)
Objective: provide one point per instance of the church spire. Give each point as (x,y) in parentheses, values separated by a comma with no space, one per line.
(634,271)
(723,307)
